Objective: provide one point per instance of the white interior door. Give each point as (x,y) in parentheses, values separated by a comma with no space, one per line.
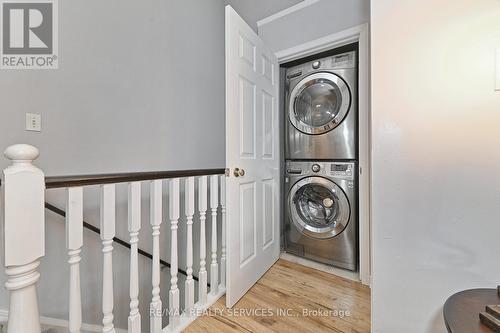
(252,146)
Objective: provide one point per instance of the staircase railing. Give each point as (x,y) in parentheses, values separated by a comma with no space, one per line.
(24,224)
(116,240)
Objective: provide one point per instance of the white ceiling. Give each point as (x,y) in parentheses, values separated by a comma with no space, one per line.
(255,10)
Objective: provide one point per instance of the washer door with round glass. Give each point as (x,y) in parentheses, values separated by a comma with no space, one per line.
(318,207)
(319,103)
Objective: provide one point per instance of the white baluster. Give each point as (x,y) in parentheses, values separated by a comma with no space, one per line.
(74,243)
(24,190)
(223,240)
(107,234)
(202,207)
(189,210)
(134,225)
(174,217)
(214,267)
(155,308)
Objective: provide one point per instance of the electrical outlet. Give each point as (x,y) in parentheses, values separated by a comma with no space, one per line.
(33,122)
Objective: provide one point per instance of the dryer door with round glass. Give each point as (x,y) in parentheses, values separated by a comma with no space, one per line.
(319,103)
(318,207)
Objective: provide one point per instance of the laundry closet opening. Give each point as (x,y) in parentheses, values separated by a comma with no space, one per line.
(320,160)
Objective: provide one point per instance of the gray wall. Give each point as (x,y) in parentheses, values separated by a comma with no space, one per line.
(317,20)
(254,10)
(140,87)
(436,186)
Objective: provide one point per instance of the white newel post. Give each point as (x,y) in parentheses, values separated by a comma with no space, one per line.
(24,190)
(189,210)
(155,308)
(74,243)
(134,225)
(202,207)
(223,237)
(173,303)
(107,234)
(214,203)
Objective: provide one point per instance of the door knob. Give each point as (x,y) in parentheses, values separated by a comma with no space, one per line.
(238,172)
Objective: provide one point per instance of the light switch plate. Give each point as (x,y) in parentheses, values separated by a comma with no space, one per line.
(33,122)
(497,65)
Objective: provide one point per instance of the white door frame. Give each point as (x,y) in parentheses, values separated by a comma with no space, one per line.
(355,34)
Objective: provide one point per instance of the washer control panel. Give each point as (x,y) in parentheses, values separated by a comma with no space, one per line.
(343,170)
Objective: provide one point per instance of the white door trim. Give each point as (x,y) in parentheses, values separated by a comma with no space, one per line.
(325,43)
(358,34)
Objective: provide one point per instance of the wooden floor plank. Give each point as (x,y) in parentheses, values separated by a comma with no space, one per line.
(293,298)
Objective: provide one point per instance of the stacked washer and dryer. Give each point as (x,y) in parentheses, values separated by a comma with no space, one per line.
(321,150)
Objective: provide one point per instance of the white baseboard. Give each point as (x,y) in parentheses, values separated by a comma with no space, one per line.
(61,323)
(354,276)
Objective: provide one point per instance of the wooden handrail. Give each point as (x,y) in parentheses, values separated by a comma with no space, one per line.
(97,179)
(112,178)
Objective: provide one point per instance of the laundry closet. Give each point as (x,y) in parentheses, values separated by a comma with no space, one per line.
(320,145)
(297,151)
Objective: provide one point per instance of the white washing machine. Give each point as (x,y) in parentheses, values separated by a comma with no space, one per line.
(321,219)
(322,109)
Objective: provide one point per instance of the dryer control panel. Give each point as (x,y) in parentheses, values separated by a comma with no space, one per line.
(339,61)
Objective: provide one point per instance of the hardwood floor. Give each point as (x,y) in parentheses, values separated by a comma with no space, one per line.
(293,298)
